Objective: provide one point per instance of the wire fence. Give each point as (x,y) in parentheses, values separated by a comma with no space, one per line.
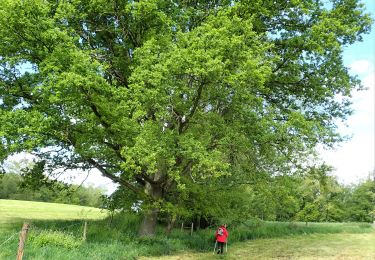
(72,225)
(37,229)
(9,238)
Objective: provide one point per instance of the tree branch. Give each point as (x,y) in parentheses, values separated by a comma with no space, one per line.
(112,176)
(193,109)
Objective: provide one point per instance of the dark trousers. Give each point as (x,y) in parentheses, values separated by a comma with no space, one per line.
(221,247)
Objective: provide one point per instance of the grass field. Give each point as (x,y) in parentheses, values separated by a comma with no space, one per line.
(16,211)
(56,233)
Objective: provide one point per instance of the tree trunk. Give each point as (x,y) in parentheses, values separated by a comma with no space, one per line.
(150,216)
(171,223)
(148,225)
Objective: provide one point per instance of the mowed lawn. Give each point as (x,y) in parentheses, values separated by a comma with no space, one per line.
(15,211)
(313,246)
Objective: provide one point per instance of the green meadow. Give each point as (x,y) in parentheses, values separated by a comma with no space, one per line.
(14,211)
(56,233)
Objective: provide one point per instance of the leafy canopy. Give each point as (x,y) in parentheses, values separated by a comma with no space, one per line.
(158,94)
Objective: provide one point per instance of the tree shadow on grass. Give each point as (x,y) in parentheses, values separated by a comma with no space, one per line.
(47,224)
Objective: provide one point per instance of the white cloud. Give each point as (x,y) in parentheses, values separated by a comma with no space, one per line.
(363,104)
(361,67)
(369,81)
(92,177)
(355,159)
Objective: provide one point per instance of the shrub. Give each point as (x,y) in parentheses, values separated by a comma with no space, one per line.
(55,238)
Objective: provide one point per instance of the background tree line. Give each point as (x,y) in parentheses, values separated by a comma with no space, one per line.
(312,196)
(12,186)
(312,199)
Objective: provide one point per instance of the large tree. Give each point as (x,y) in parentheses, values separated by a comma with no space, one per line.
(158,94)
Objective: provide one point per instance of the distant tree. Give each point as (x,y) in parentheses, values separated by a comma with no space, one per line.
(161,94)
(275,198)
(361,202)
(285,193)
(321,196)
(9,184)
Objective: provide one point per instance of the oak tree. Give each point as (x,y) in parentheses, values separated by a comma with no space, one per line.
(157,94)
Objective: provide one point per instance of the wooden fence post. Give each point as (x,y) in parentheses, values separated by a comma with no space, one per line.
(21,244)
(192,227)
(84,231)
(182,226)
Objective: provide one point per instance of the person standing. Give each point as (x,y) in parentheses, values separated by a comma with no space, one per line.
(221,236)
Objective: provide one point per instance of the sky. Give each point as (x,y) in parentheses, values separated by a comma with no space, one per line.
(352,160)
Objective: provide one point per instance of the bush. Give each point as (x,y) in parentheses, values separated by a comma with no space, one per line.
(55,238)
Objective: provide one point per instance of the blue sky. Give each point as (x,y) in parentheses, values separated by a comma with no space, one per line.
(364,50)
(355,159)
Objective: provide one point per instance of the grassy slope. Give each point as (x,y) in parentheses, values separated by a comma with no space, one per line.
(16,211)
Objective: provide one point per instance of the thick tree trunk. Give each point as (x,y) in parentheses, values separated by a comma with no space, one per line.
(150,216)
(148,225)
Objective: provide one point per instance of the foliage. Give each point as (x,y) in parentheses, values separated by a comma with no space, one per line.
(55,238)
(161,96)
(313,196)
(361,202)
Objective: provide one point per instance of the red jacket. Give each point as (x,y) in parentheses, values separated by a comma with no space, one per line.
(223,237)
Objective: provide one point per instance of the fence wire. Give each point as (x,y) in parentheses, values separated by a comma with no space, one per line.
(9,239)
(36,229)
